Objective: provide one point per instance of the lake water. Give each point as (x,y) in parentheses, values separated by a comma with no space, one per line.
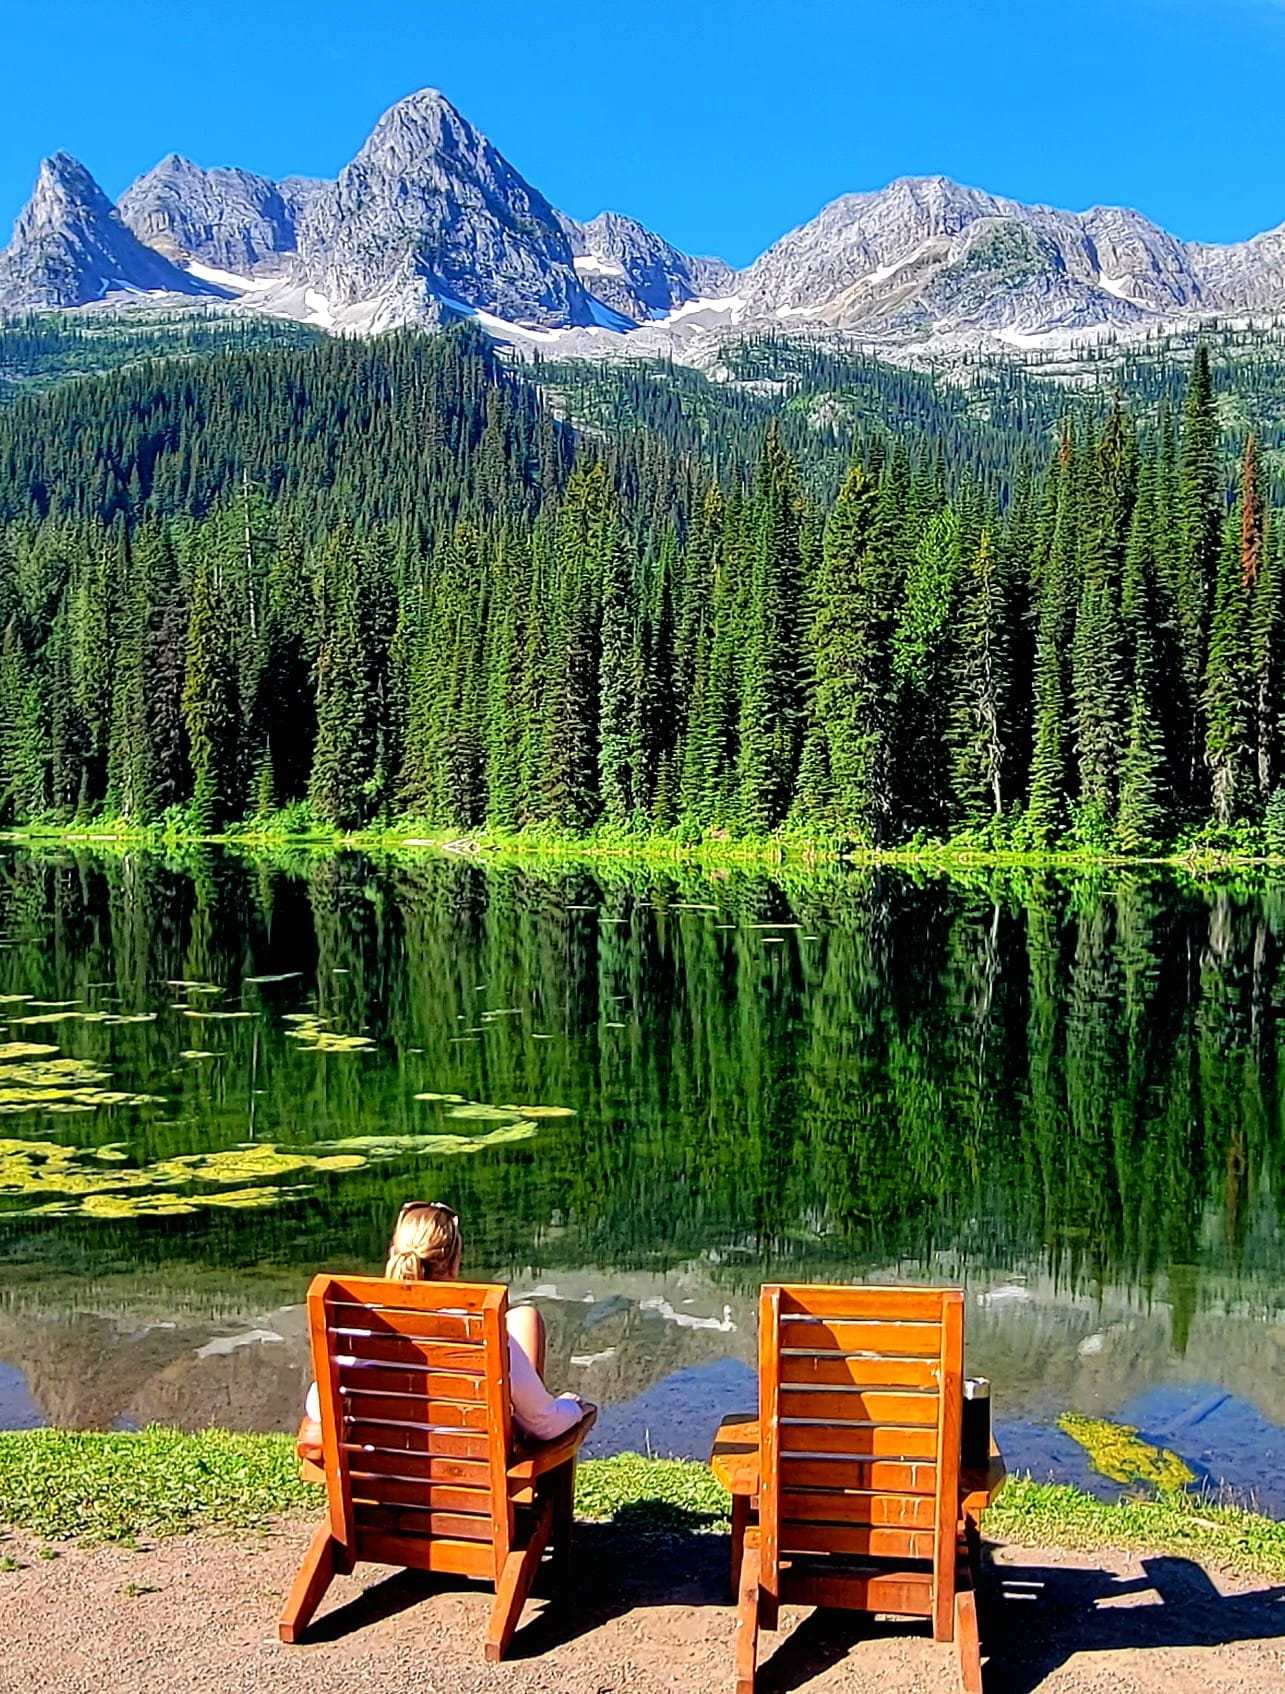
(646,1091)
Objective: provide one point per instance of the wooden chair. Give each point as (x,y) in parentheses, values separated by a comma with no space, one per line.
(860,1396)
(418,1453)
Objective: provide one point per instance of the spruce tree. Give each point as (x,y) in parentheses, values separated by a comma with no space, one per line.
(979,688)
(770,725)
(850,649)
(210,708)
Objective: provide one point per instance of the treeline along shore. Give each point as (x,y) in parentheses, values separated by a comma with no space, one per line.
(381,585)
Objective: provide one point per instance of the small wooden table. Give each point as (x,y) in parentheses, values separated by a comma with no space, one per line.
(735,1463)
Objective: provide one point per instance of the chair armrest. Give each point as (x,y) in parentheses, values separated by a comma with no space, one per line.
(532,1459)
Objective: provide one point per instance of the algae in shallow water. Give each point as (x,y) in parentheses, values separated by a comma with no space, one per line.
(1117,1451)
(310,1031)
(403,1146)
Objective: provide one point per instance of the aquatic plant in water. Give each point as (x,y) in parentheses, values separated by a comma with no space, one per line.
(310,1031)
(1117,1451)
(34,1079)
(67,1180)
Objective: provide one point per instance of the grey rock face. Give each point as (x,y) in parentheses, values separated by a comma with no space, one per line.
(1249,276)
(428,213)
(636,272)
(224,218)
(429,220)
(926,254)
(70,247)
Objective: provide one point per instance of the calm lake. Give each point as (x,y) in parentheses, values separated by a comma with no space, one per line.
(645,1091)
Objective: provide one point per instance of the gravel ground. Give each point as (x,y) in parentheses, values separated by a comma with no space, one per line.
(197,1615)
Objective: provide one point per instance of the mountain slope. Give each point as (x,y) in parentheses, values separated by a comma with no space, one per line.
(926,255)
(638,273)
(224,218)
(430,222)
(429,218)
(70,247)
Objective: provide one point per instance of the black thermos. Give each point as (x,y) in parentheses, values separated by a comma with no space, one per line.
(975,1429)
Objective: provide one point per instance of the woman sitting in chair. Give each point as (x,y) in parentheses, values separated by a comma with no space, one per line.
(427,1246)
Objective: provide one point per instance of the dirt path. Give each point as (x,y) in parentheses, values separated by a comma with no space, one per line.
(197,1615)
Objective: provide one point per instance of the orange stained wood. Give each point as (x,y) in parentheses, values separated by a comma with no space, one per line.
(853,1464)
(418,1453)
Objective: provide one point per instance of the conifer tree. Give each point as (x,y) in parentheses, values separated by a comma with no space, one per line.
(770,725)
(1145,814)
(979,689)
(1229,711)
(1200,508)
(1047,808)
(345,756)
(570,769)
(618,750)
(851,660)
(920,653)
(210,709)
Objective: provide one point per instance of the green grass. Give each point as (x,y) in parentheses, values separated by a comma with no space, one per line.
(57,1484)
(1045,1514)
(294,831)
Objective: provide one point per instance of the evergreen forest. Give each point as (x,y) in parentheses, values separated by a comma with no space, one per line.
(402,584)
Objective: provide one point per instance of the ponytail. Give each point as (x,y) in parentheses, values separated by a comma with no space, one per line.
(426,1245)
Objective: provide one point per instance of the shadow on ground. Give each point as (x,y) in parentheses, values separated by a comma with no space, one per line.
(1034,1617)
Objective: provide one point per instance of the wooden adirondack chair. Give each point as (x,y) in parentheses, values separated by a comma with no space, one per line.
(860,1395)
(420,1463)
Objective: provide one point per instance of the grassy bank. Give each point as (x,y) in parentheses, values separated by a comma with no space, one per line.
(1201,857)
(127,1488)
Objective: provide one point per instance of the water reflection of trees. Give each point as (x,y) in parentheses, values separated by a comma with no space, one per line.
(1005,1065)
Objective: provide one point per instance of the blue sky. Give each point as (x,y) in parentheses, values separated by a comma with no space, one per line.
(721,123)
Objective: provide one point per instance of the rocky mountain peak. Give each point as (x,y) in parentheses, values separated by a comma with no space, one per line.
(226,219)
(430,218)
(69,247)
(64,188)
(636,272)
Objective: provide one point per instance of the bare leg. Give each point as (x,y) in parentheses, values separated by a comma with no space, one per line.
(526,1327)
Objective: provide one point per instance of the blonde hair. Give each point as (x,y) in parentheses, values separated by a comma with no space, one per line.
(426,1244)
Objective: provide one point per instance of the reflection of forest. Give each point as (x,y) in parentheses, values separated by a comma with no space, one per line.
(612,1336)
(813,1075)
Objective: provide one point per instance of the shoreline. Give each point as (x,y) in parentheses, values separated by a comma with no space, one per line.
(651,850)
(62,1486)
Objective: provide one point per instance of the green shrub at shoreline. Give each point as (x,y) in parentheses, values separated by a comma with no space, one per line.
(59,1484)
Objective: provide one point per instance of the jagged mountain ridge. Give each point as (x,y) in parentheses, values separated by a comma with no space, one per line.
(224,219)
(70,247)
(430,221)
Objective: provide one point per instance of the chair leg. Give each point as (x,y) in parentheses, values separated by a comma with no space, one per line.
(747,1623)
(967,1641)
(308,1590)
(740,1523)
(562,1488)
(515,1585)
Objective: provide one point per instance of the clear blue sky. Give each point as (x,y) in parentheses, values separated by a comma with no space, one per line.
(721,123)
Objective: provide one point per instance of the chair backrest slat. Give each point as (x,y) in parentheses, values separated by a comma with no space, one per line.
(416,1427)
(859,1398)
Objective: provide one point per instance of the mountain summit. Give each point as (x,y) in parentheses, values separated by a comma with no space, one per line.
(70,247)
(429,217)
(226,219)
(430,221)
